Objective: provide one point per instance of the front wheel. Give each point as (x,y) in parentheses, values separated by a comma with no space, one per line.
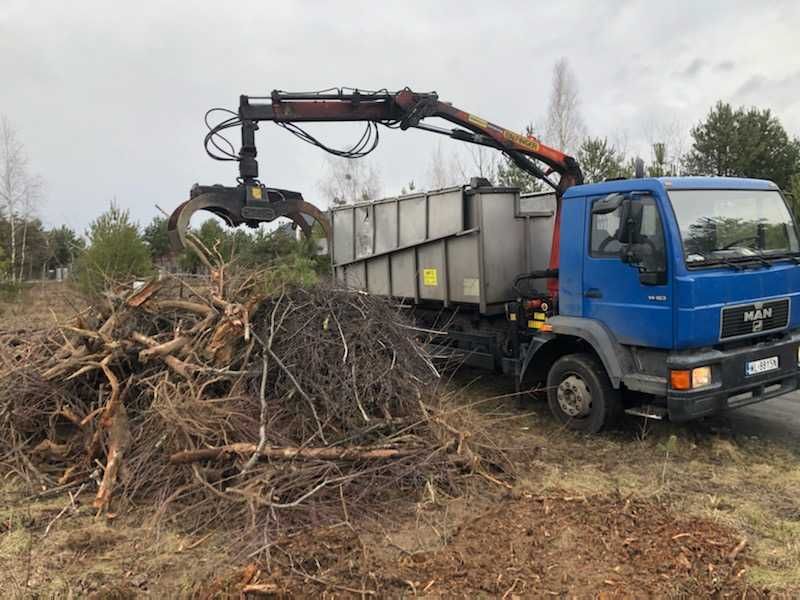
(580,394)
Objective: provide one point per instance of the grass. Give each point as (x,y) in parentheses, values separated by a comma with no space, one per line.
(82,556)
(751,484)
(700,468)
(38,305)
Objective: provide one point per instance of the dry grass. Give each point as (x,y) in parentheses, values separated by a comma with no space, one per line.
(747,483)
(39,305)
(703,468)
(83,557)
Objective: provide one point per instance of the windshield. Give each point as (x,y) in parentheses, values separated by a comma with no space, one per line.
(719,226)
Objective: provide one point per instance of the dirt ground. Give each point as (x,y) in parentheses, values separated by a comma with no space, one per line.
(649,510)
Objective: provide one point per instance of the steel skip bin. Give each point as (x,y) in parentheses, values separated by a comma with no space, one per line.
(459,245)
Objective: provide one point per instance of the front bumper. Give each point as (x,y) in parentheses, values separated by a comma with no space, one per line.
(731,387)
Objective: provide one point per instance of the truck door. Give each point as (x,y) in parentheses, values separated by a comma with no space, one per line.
(626,283)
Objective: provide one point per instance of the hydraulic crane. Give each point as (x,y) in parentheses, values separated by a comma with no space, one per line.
(657,305)
(251,202)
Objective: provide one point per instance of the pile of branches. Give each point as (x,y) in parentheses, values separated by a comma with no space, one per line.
(285,407)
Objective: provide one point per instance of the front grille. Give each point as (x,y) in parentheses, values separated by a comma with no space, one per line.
(751,319)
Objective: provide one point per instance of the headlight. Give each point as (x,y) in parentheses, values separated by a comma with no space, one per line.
(696,378)
(701,376)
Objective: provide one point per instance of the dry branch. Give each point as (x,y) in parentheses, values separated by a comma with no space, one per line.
(115,419)
(267,410)
(288,453)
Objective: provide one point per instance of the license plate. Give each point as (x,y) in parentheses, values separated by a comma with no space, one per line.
(754,367)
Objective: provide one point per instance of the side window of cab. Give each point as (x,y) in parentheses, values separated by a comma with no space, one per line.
(629,229)
(603,234)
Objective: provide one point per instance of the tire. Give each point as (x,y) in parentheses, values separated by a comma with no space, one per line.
(580,394)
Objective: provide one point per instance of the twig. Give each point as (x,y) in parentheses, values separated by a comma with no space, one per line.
(262,428)
(71,504)
(735,552)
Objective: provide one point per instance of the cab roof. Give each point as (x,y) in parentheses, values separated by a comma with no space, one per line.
(670,183)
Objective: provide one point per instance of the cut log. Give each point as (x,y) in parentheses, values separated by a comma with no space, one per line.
(181,368)
(145,293)
(193,307)
(290,453)
(164,349)
(115,418)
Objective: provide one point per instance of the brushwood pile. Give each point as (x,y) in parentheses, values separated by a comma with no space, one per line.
(222,401)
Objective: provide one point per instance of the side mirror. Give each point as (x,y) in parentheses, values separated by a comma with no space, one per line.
(630,222)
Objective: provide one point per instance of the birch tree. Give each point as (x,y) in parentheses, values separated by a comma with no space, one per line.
(19,194)
(13,170)
(349,180)
(564,126)
(32,193)
(443,171)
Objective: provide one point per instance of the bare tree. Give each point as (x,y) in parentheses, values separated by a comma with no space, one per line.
(667,142)
(443,171)
(483,163)
(32,194)
(19,191)
(350,180)
(564,124)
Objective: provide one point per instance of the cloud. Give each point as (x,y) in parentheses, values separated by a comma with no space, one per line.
(751,86)
(694,68)
(777,93)
(724,66)
(109,97)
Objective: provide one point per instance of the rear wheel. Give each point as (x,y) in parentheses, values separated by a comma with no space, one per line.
(580,394)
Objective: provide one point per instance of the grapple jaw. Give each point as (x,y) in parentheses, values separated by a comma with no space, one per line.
(248,204)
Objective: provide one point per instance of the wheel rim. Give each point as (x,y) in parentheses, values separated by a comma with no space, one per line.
(574,397)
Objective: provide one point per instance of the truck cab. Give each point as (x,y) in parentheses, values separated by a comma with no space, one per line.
(678,298)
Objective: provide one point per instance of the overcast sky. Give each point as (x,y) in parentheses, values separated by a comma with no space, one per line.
(108,97)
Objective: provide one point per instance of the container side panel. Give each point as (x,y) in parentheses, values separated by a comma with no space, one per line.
(431,272)
(378,276)
(363,231)
(343,235)
(385,226)
(540,236)
(355,276)
(403,275)
(412,220)
(537,203)
(503,245)
(446,213)
(463,272)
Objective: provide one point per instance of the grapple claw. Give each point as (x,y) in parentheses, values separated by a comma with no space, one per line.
(244,204)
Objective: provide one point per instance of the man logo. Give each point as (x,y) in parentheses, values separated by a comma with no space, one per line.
(757,314)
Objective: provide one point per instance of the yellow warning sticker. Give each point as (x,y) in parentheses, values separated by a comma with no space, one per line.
(256,192)
(429,277)
(524,141)
(512,317)
(535,324)
(478,121)
(539,316)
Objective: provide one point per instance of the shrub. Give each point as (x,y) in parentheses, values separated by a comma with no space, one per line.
(116,252)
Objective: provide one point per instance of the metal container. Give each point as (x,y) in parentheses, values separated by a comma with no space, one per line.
(460,245)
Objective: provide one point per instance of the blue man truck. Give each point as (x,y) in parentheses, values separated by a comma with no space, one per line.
(671,297)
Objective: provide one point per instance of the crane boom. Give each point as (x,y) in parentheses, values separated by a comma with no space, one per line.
(251,202)
(404,109)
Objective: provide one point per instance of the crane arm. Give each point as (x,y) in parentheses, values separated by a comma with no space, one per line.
(251,202)
(403,110)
